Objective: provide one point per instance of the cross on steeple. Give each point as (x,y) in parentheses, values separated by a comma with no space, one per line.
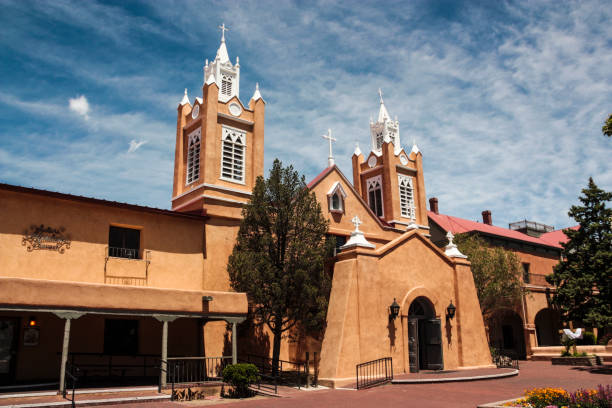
(380,93)
(356,222)
(328,136)
(223,30)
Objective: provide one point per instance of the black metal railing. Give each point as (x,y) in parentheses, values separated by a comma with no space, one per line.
(292,373)
(375,372)
(71,378)
(188,371)
(130,253)
(94,366)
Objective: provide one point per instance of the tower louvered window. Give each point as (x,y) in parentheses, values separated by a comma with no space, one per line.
(193,157)
(226,85)
(379,140)
(232,160)
(406,197)
(375,195)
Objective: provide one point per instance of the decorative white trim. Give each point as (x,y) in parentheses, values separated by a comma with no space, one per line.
(257,94)
(235,109)
(451,249)
(193,159)
(185,99)
(415,149)
(372,161)
(371,185)
(357,151)
(211,79)
(336,188)
(222,188)
(357,238)
(237,139)
(408,223)
(228,200)
(196,188)
(406,196)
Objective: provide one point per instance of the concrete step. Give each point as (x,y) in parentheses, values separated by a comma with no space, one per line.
(82,399)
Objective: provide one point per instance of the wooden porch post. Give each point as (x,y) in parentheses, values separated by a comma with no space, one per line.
(163,372)
(68,316)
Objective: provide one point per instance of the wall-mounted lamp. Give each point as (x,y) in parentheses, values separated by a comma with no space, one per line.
(32,321)
(450,311)
(394,310)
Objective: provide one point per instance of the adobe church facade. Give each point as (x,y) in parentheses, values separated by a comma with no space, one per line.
(85,278)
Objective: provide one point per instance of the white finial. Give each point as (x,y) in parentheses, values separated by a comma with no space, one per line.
(357,149)
(381,94)
(356,222)
(451,249)
(237,61)
(328,136)
(383,115)
(185,98)
(357,238)
(256,95)
(223,30)
(206,65)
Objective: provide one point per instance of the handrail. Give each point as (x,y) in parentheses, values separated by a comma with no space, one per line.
(375,372)
(72,374)
(191,370)
(266,366)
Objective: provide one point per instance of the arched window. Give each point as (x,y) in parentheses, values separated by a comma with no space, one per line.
(193,157)
(232,155)
(406,197)
(336,196)
(375,202)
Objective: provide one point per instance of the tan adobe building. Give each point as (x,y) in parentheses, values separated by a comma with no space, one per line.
(99,283)
(535,324)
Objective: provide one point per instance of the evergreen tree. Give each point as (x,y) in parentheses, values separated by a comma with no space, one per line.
(497,274)
(278,259)
(607,127)
(584,277)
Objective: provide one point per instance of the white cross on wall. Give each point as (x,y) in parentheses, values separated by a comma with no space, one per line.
(328,136)
(356,222)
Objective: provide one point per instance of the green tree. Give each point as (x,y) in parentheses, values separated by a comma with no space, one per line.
(607,127)
(497,274)
(278,259)
(584,277)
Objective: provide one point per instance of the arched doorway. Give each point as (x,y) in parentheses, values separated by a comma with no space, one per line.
(506,333)
(547,323)
(424,336)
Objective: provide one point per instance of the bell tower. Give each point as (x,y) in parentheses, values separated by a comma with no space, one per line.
(389,179)
(219,142)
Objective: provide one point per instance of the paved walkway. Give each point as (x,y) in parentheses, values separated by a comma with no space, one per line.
(463,394)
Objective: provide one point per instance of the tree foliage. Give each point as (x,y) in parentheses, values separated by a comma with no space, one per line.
(607,127)
(278,259)
(584,277)
(497,274)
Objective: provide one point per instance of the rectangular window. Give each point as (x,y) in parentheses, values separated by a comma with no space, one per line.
(120,336)
(124,242)
(193,157)
(226,85)
(406,197)
(232,154)
(526,272)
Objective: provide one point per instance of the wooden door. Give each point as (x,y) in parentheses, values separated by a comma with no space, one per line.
(9,333)
(433,344)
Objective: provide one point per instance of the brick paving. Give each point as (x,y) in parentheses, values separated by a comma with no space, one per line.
(464,394)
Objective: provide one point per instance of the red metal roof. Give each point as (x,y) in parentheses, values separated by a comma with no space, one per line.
(320,177)
(458,225)
(557,236)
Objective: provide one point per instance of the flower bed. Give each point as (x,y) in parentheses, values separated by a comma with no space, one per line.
(575,360)
(560,398)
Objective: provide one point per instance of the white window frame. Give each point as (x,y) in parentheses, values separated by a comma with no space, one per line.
(193,160)
(371,185)
(406,196)
(336,190)
(238,138)
(229,79)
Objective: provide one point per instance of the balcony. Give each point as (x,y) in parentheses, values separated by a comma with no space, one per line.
(123,266)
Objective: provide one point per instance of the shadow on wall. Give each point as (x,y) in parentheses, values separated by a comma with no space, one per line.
(252,339)
(392,331)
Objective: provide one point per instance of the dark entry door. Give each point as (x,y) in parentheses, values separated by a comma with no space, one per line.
(433,344)
(413,345)
(9,332)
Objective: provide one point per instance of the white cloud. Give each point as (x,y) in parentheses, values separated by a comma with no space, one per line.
(79,105)
(134,145)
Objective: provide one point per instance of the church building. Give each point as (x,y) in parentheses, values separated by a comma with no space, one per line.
(98,283)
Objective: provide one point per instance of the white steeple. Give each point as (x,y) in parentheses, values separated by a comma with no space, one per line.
(185,99)
(226,75)
(384,130)
(357,151)
(256,94)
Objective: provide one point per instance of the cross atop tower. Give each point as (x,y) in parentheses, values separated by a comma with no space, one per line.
(328,136)
(223,30)
(380,93)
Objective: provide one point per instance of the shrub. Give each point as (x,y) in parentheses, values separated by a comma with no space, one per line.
(588,339)
(240,376)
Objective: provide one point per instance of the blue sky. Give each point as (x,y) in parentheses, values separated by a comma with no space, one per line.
(505,99)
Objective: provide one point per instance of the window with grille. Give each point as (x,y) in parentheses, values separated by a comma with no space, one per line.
(379,140)
(406,197)
(375,195)
(193,157)
(232,155)
(226,84)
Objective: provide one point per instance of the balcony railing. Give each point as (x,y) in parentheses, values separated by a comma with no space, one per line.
(129,253)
